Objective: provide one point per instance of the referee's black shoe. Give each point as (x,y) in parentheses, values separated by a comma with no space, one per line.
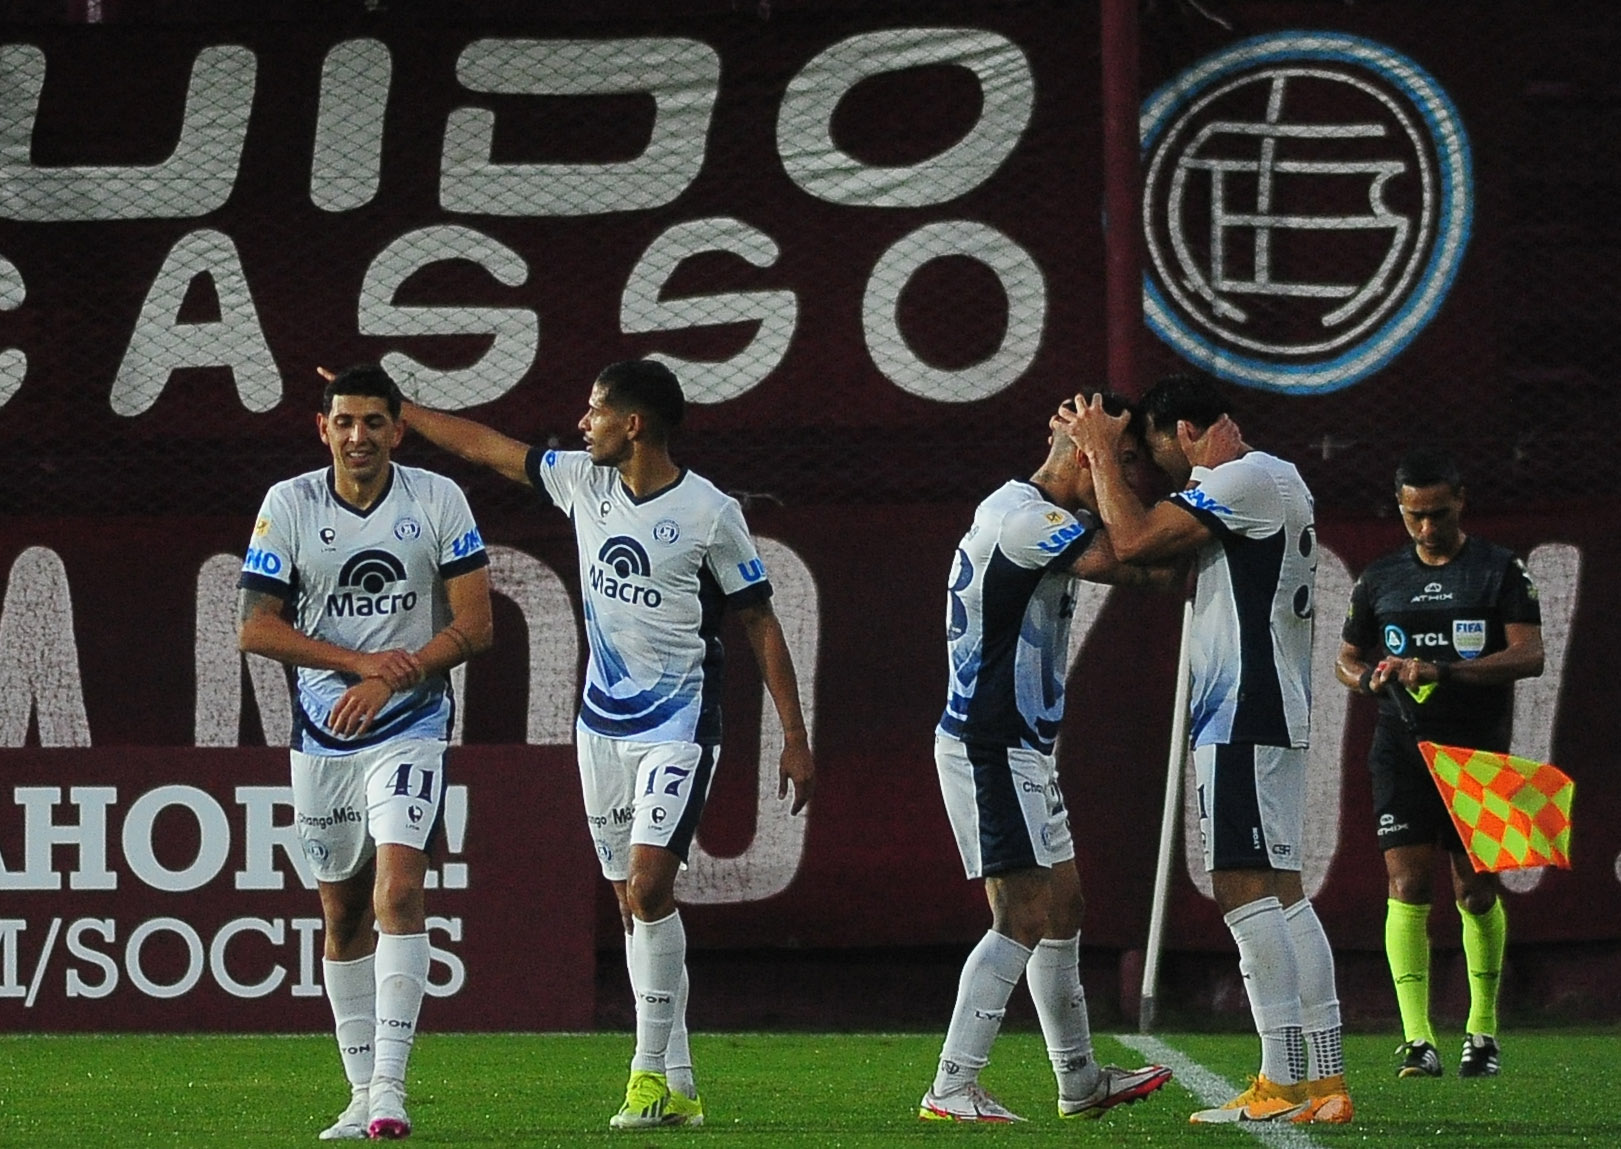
(1421,1060)
(1480,1054)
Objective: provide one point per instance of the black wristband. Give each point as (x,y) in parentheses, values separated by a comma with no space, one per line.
(1443,671)
(1364,678)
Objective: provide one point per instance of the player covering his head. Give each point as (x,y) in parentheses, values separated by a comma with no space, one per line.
(1246,519)
(1009,600)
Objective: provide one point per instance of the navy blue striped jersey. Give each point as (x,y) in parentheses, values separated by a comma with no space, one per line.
(367,580)
(1008,609)
(656,574)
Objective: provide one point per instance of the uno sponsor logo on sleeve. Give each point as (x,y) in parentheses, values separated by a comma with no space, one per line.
(1061,538)
(1200,500)
(469,543)
(364,585)
(752,571)
(261,561)
(620,565)
(1469,637)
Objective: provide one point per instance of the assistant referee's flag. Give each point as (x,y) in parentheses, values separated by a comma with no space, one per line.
(1512,813)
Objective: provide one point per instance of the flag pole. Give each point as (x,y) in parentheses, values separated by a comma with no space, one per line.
(1147,1009)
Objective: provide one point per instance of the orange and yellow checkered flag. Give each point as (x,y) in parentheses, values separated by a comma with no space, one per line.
(1512,813)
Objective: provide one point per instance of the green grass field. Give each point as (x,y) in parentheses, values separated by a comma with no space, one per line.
(785,1090)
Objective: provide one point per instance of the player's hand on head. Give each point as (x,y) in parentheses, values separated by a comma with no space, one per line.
(1219,443)
(797,768)
(354,712)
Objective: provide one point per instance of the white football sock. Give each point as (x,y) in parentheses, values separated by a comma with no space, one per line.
(351,990)
(1054,974)
(678,1055)
(658,954)
(988,977)
(402,978)
(1266,957)
(1319,1000)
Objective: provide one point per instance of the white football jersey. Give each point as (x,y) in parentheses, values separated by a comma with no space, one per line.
(655,575)
(1252,611)
(1008,608)
(368,580)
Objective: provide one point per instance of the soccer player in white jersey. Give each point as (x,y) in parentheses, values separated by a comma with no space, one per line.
(1009,602)
(1247,518)
(372,580)
(662,554)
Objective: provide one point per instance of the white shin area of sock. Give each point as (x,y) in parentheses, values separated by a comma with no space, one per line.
(351,990)
(988,977)
(1054,975)
(678,1054)
(1319,997)
(402,978)
(1266,957)
(658,957)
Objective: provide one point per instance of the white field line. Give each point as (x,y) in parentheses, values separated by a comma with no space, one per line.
(1213,1090)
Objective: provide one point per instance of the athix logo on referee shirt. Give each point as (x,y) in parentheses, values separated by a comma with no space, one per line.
(367,577)
(1307,203)
(626,559)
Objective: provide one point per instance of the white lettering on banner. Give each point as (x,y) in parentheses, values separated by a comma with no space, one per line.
(515,330)
(275,931)
(39,660)
(347,165)
(41,833)
(194,180)
(94,970)
(768,865)
(194,958)
(262,837)
(553,639)
(217,715)
(13,363)
(1021,280)
(76,985)
(822,168)
(162,344)
(1556,568)
(682,77)
(1324,760)
(644,309)
(214,838)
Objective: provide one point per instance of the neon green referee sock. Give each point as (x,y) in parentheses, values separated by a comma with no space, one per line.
(1484,936)
(1407,946)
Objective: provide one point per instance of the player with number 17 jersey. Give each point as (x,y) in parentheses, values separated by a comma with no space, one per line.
(655,576)
(369,580)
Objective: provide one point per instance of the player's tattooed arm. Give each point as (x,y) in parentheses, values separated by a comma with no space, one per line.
(1098,563)
(471,629)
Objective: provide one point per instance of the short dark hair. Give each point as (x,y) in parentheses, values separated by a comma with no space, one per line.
(1174,398)
(647,387)
(1427,466)
(1115,404)
(364,379)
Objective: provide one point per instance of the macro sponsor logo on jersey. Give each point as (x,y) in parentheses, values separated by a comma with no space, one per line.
(367,577)
(1469,637)
(1307,201)
(620,561)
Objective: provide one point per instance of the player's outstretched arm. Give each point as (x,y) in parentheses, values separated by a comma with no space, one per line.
(797,767)
(471,440)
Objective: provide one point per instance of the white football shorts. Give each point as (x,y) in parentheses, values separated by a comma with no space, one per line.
(1252,805)
(642,793)
(1005,805)
(344,806)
